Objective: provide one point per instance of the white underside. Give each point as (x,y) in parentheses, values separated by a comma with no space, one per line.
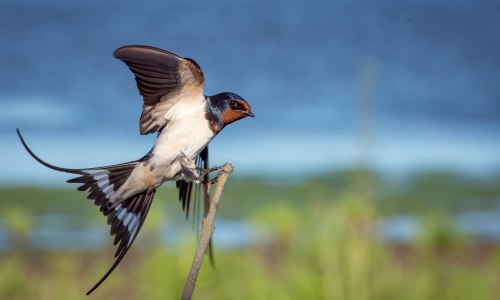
(187,132)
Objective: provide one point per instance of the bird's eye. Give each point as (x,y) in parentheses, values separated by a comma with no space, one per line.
(234,104)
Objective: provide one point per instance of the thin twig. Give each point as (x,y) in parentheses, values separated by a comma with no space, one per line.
(206,232)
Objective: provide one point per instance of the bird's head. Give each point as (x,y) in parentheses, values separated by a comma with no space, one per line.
(230,107)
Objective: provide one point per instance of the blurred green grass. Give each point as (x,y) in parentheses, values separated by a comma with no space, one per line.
(321,244)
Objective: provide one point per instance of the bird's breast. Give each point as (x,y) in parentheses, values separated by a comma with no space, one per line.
(188,135)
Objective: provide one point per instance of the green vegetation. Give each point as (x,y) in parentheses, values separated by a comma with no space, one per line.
(318,244)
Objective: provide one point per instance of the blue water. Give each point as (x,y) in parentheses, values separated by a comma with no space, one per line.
(426,71)
(58,232)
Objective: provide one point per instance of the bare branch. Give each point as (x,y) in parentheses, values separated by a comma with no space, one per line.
(207,230)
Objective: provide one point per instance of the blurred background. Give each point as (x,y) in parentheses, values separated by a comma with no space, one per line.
(372,169)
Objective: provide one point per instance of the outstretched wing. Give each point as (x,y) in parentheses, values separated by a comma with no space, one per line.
(163,79)
(186,195)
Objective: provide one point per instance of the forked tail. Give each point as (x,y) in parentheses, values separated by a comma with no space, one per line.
(125,216)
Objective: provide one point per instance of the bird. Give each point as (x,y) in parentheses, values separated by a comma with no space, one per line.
(185,120)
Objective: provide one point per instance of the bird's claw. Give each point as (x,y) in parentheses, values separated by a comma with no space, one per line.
(197,174)
(202,172)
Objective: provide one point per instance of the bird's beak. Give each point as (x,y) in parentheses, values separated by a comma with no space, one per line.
(249,113)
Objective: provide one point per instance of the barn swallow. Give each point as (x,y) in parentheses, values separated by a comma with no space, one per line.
(175,107)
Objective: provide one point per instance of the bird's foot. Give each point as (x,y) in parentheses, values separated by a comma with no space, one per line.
(203,172)
(196,174)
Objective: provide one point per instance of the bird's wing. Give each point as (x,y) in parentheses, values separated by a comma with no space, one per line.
(186,194)
(163,79)
(186,188)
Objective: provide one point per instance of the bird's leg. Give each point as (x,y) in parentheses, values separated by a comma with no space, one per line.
(189,169)
(194,173)
(204,172)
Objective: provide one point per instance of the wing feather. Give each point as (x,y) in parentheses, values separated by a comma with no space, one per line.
(163,79)
(186,195)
